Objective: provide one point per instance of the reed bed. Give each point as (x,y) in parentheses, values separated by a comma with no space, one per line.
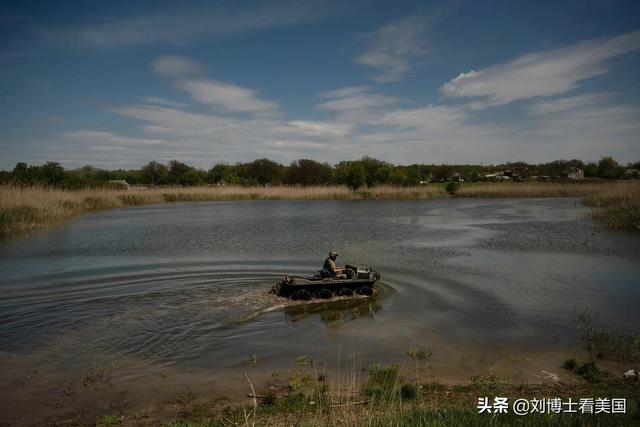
(544,189)
(618,208)
(23,208)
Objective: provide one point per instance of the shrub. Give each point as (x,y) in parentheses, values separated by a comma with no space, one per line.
(408,392)
(269,400)
(569,364)
(589,371)
(452,188)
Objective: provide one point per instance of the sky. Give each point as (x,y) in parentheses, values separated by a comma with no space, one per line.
(116,84)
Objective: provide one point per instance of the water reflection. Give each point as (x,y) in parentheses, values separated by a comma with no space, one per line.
(335,313)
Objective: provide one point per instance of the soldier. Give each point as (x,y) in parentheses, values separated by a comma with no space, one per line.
(331,268)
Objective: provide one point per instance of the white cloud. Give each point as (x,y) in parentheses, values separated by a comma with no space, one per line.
(102,137)
(428,134)
(156,100)
(186,24)
(426,117)
(296,144)
(393,46)
(344,92)
(227,96)
(354,102)
(317,128)
(175,66)
(357,102)
(567,103)
(547,73)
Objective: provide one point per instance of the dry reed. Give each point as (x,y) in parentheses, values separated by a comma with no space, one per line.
(545,189)
(23,208)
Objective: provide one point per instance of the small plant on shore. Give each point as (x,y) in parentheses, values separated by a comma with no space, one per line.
(253,359)
(270,399)
(606,344)
(419,354)
(408,392)
(108,420)
(586,370)
(452,188)
(569,364)
(303,360)
(383,383)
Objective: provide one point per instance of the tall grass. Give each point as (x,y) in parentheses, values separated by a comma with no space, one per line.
(618,208)
(383,395)
(545,189)
(23,208)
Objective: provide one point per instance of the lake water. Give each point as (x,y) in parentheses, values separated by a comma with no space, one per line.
(182,288)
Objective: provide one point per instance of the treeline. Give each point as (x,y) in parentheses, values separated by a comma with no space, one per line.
(357,173)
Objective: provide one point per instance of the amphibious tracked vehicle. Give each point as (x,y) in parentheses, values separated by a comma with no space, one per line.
(357,280)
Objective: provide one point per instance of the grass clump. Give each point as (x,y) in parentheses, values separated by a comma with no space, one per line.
(269,400)
(16,216)
(383,383)
(452,188)
(570,364)
(108,420)
(618,208)
(383,377)
(408,391)
(620,217)
(605,344)
(419,354)
(588,371)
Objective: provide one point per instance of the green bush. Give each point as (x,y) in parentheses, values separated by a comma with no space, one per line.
(589,371)
(269,400)
(408,392)
(452,188)
(569,364)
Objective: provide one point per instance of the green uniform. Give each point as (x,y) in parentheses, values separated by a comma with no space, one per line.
(329,266)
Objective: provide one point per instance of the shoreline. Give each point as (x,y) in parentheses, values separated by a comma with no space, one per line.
(617,204)
(317,394)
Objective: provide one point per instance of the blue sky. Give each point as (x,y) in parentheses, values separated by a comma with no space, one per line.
(116,84)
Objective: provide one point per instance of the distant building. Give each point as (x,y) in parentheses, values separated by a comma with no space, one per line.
(497,176)
(573,173)
(119,183)
(455,176)
(632,173)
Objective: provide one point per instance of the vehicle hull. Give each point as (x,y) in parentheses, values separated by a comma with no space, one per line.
(327,287)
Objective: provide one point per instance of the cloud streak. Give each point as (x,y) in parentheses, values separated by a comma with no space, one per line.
(547,73)
(181,26)
(175,66)
(227,96)
(392,47)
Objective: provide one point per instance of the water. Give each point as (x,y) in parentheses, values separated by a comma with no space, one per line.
(181,288)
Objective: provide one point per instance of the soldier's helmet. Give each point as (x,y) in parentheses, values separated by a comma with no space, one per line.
(333,253)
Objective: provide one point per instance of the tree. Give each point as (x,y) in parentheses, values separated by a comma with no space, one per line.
(609,168)
(153,172)
(265,171)
(308,172)
(377,171)
(351,174)
(52,173)
(591,170)
(20,173)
